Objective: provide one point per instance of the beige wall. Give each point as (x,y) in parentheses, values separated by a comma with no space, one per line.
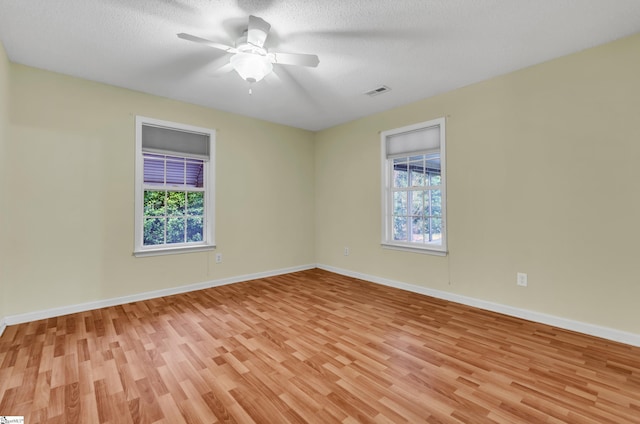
(543,178)
(72,189)
(4,117)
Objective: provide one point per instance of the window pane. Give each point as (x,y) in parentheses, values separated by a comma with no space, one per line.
(418,178)
(195,170)
(400,228)
(153,231)
(400,175)
(436,202)
(416,170)
(176,202)
(435,178)
(417,202)
(432,164)
(175,230)
(436,230)
(175,172)
(400,203)
(194,229)
(427,202)
(433,160)
(417,234)
(154,203)
(153,170)
(195,203)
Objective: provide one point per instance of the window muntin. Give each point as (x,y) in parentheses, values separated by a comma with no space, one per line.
(413,188)
(174,189)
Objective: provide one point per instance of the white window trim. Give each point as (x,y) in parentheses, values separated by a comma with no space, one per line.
(209,175)
(386,231)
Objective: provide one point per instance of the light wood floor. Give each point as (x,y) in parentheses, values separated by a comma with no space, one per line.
(310,347)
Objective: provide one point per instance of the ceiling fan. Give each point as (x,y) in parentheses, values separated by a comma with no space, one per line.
(251,60)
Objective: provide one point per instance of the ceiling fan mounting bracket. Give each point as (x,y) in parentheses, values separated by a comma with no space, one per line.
(243,46)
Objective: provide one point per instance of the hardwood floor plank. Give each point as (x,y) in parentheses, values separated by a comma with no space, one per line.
(42,390)
(148,408)
(194,408)
(170,410)
(311,347)
(55,407)
(102,401)
(72,403)
(217,406)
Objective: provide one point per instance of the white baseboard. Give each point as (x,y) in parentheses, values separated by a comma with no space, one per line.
(567,324)
(71,309)
(581,327)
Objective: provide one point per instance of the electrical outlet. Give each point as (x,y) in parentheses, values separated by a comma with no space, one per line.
(218,258)
(521,279)
(346,251)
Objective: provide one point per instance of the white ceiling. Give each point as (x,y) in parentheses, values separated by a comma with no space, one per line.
(417,47)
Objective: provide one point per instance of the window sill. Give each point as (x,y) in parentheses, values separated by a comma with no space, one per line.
(415,249)
(172,250)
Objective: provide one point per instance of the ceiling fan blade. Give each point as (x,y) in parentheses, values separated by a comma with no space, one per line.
(310,60)
(257,31)
(206,42)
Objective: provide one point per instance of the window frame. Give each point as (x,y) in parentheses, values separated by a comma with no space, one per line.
(208,242)
(387,189)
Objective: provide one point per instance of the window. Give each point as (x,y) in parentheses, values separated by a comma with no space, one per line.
(413,187)
(174,187)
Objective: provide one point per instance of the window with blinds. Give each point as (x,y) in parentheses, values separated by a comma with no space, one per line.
(413,187)
(174,187)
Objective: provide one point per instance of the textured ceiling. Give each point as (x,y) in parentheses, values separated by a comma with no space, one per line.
(417,47)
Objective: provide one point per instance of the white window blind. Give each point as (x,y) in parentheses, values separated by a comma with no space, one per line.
(409,142)
(171,141)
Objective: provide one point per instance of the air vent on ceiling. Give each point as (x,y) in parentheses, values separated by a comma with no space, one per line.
(378,90)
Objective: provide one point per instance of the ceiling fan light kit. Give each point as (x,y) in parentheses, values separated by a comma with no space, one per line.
(251,67)
(250,59)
